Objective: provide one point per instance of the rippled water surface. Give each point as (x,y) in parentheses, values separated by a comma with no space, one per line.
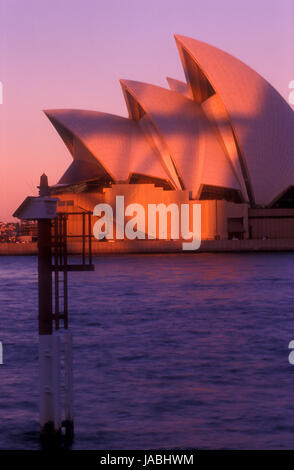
(170,351)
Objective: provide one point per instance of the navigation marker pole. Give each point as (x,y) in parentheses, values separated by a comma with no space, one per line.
(56,380)
(49,344)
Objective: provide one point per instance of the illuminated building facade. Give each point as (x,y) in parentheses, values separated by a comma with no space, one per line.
(225,139)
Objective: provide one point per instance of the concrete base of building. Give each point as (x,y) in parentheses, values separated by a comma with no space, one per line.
(155,246)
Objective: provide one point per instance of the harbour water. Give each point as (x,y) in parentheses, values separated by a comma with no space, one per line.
(170,351)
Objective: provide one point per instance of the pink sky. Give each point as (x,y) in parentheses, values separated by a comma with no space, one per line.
(72,53)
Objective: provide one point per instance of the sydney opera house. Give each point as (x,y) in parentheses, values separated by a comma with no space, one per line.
(224,138)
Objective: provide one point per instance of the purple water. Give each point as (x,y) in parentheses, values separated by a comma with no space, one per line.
(170,351)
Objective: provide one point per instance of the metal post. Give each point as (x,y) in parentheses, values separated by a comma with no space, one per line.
(68,385)
(49,360)
(84,239)
(56,274)
(65,279)
(45,277)
(68,422)
(43,209)
(90,238)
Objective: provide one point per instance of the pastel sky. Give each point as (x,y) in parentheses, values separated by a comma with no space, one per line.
(72,53)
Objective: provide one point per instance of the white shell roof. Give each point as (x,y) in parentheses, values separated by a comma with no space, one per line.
(226,127)
(187,134)
(261,119)
(116,143)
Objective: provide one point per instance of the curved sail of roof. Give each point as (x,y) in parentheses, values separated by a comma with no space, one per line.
(163,123)
(179,87)
(217,114)
(191,139)
(261,120)
(114,143)
(82,170)
(216,168)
